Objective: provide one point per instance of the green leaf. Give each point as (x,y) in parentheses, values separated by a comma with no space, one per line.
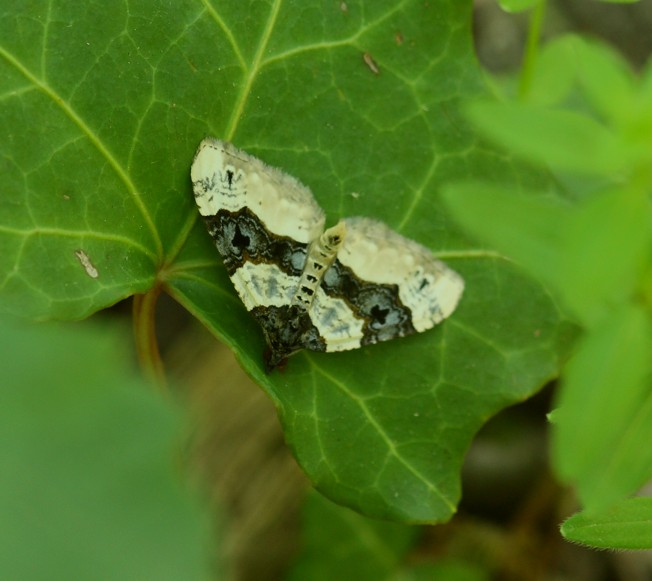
(555,71)
(87,454)
(627,525)
(559,138)
(102,114)
(605,250)
(341,544)
(605,411)
(527,228)
(592,255)
(606,79)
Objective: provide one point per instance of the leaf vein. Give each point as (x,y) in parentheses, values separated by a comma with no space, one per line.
(93,138)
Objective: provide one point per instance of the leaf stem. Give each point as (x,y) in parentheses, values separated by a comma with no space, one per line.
(149,358)
(531,49)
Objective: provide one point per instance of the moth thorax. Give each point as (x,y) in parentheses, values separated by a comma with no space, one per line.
(321,254)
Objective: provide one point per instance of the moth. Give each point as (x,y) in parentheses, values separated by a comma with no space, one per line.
(354,284)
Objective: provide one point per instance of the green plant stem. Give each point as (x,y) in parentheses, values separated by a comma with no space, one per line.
(531,49)
(144,308)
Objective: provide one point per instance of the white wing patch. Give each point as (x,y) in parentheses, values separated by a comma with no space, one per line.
(379,255)
(355,284)
(225,178)
(264,285)
(338,325)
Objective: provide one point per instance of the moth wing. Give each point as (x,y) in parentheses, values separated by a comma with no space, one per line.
(382,286)
(260,218)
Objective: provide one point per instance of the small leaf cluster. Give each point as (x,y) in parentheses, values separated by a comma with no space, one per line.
(587,117)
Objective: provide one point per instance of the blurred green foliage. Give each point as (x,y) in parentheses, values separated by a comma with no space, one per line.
(89,486)
(589,119)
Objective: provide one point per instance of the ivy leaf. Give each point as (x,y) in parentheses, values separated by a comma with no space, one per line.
(102,114)
(605,411)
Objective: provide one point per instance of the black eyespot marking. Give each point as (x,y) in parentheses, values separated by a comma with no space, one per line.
(307,290)
(424,284)
(311,278)
(240,240)
(317,266)
(379,315)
